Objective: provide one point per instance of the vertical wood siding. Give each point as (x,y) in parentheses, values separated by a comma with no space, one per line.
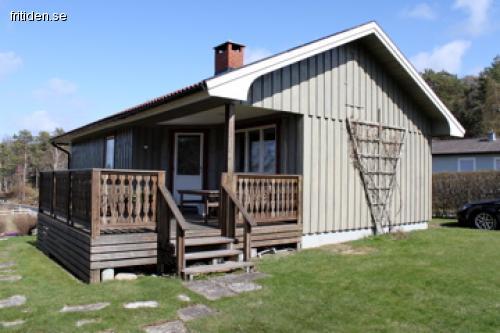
(123,149)
(348,82)
(87,154)
(147,148)
(90,153)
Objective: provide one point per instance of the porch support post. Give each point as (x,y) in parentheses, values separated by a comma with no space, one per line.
(229,222)
(229,138)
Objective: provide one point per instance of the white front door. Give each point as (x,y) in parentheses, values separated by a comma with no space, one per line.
(188,164)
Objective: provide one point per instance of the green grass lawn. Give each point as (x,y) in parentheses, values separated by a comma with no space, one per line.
(445,279)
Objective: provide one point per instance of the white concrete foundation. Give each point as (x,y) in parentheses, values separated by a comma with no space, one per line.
(315,240)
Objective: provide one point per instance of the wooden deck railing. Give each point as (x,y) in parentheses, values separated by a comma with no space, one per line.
(181,227)
(101,199)
(270,198)
(252,199)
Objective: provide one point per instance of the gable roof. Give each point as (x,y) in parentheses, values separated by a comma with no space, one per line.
(465,146)
(236,83)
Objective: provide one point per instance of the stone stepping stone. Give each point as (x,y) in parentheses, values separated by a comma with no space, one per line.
(83,322)
(243,277)
(125,276)
(183,298)
(84,308)
(226,285)
(168,327)
(194,312)
(10,278)
(6,324)
(6,271)
(7,264)
(141,304)
(209,289)
(16,300)
(242,287)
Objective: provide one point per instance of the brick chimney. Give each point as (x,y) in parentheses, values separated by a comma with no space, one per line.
(228,56)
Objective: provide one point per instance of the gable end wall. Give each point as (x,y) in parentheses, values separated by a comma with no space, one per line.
(349,82)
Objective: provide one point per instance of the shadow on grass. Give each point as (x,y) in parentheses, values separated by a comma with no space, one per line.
(447,223)
(454,224)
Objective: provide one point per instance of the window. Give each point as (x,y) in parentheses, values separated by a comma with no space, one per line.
(188,154)
(110,153)
(496,163)
(256,150)
(466,164)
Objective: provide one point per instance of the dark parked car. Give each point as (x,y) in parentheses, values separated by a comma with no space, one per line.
(483,214)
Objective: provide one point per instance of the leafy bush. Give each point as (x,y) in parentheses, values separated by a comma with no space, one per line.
(31,194)
(451,190)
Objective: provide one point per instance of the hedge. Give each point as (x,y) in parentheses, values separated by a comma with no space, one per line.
(451,190)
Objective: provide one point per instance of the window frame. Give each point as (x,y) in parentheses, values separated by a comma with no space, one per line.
(246,158)
(495,163)
(106,140)
(463,159)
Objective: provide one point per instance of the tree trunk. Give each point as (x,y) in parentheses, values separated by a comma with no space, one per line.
(25,170)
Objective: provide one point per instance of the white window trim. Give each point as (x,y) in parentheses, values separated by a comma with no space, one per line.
(473,159)
(110,137)
(261,141)
(495,163)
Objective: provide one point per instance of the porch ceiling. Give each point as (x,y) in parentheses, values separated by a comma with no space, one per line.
(216,116)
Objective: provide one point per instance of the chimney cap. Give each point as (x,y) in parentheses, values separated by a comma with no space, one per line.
(230,42)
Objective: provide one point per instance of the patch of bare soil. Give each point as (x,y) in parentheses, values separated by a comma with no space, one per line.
(347,249)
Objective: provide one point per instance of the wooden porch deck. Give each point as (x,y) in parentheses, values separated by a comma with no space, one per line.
(270,234)
(95,219)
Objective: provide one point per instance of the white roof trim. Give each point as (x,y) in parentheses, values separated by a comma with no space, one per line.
(235,84)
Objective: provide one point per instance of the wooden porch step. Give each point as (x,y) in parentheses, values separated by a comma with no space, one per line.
(207,232)
(208,241)
(271,242)
(219,268)
(212,254)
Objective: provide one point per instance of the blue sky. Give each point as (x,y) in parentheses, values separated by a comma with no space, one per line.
(110,55)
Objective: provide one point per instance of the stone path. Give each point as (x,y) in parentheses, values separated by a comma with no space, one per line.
(16,300)
(168,327)
(6,271)
(6,324)
(10,278)
(194,312)
(141,304)
(7,264)
(212,289)
(226,285)
(83,322)
(84,308)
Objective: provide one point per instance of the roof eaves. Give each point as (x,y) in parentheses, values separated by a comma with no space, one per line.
(196,87)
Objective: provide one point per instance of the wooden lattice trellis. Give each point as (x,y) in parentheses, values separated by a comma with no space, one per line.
(376,153)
